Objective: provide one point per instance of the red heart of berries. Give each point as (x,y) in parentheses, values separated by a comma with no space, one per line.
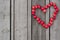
(44,10)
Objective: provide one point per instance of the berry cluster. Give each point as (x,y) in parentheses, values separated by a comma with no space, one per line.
(44,10)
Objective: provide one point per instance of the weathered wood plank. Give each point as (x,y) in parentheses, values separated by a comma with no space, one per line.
(29,20)
(47,20)
(38,32)
(21,20)
(55,28)
(4,19)
(12,5)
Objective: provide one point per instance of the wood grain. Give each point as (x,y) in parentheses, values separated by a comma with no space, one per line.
(12,19)
(47,20)
(29,20)
(4,19)
(55,28)
(21,19)
(38,32)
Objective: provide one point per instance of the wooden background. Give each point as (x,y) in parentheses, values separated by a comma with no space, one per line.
(16,22)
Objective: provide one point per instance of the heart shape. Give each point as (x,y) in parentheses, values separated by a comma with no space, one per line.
(43,9)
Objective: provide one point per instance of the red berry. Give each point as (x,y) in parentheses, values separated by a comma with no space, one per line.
(35,17)
(33,13)
(42,8)
(33,10)
(55,7)
(51,22)
(54,18)
(57,10)
(54,15)
(39,21)
(44,11)
(46,26)
(33,7)
(42,22)
(38,6)
(51,3)
(51,19)
(46,7)
(54,4)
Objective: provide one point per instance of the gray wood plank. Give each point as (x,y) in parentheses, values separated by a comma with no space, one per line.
(38,32)
(21,20)
(29,20)
(47,20)
(55,28)
(4,19)
(12,20)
